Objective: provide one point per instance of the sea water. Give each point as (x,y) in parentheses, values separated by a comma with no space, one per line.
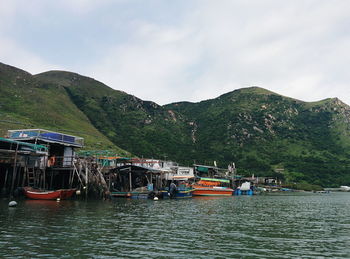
(292,225)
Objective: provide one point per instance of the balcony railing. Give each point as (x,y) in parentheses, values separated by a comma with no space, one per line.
(61,161)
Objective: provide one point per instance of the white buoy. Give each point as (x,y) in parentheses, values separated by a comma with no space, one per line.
(155,198)
(58,199)
(12,204)
(78,192)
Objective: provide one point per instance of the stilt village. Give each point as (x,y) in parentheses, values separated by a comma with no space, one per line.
(42,164)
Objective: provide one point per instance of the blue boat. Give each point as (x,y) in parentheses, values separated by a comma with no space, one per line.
(244,189)
(180,191)
(179,194)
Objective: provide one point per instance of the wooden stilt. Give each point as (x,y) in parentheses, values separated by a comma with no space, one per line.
(6,176)
(25,172)
(70,179)
(18,176)
(44,179)
(87,178)
(62,186)
(41,179)
(130,181)
(51,180)
(14,171)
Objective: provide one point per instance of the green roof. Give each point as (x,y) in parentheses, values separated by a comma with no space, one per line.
(96,153)
(34,147)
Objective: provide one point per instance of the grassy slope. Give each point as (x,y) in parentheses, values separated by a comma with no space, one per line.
(30,103)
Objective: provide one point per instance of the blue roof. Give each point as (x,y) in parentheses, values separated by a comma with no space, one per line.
(46,136)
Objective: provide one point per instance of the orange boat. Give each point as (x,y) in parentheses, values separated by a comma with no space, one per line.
(212,187)
(48,195)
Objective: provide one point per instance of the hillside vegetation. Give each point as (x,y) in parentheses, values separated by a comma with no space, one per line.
(26,102)
(259,130)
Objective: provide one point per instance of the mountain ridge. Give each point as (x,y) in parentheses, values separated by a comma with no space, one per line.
(256,128)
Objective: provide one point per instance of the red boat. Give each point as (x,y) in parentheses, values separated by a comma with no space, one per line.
(48,195)
(212,187)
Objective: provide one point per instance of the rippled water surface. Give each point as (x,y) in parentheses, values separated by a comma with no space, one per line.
(301,225)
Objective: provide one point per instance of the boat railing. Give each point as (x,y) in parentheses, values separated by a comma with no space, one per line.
(61,161)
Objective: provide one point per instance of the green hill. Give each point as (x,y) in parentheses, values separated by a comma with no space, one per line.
(27,102)
(141,127)
(262,131)
(259,130)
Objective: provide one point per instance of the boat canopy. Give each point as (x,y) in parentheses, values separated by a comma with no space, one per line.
(22,146)
(202,169)
(205,168)
(136,169)
(215,180)
(182,177)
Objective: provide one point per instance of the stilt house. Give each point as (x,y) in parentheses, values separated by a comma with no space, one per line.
(58,169)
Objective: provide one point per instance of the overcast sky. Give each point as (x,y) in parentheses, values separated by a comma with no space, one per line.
(185,50)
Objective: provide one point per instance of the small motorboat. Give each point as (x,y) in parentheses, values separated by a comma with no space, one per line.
(212,187)
(345,188)
(179,193)
(179,188)
(38,194)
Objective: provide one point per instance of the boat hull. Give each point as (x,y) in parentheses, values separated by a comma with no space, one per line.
(132,195)
(180,194)
(48,195)
(208,191)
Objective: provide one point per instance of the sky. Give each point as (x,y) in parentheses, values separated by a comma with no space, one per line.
(185,50)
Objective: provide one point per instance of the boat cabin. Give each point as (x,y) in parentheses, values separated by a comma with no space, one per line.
(180,172)
(209,171)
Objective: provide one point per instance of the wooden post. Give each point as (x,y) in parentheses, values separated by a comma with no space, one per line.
(80,171)
(87,177)
(44,168)
(25,176)
(63,176)
(19,176)
(70,179)
(130,181)
(44,178)
(14,171)
(51,180)
(25,172)
(6,175)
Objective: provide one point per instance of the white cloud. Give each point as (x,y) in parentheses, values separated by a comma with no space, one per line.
(151,66)
(227,45)
(297,48)
(84,7)
(13,54)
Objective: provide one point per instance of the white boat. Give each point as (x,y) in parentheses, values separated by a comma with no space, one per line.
(245,186)
(345,188)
